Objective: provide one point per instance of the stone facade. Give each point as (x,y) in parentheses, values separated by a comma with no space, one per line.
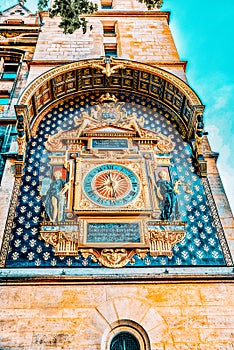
(174,315)
(60,299)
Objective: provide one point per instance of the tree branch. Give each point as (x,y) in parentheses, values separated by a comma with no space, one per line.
(71,12)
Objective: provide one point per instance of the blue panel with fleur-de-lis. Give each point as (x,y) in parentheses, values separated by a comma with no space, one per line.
(201,244)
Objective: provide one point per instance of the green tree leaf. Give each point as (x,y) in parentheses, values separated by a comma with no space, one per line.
(71,12)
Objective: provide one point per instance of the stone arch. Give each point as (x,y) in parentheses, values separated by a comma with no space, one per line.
(108,75)
(135,314)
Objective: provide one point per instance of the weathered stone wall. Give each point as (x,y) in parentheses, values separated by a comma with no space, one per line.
(146,39)
(54,45)
(141,37)
(175,316)
(120,4)
(128,5)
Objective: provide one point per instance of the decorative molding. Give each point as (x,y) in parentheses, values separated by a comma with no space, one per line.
(94,125)
(112,258)
(9,222)
(217,222)
(159,243)
(108,97)
(121,13)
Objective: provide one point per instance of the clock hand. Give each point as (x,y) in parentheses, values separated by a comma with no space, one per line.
(97,188)
(109,176)
(113,191)
(100,187)
(111,185)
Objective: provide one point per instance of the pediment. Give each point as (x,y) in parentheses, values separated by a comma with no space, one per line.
(56,142)
(107,120)
(110,130)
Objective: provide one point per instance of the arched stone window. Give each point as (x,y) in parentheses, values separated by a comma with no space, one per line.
(125,335)
(124,341)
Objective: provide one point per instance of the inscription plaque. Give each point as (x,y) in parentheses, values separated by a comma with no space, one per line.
(113,232)
(110,143)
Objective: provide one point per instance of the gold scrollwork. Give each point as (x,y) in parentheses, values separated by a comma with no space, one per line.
(50,238)
(141,253)
(162,241)
(64,242)
(107,97)
(113,258)
(21,145)
(106,68)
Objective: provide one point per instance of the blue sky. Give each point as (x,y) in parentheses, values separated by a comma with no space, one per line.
(203,31)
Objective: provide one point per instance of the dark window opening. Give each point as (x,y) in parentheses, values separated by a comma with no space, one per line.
(14,21)
(4,97)
(7,135)
(124,341)
(111,51)
(109,30)
(9,71)
(106,4)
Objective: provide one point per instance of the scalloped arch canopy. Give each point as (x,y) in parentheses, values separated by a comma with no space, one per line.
(110,75)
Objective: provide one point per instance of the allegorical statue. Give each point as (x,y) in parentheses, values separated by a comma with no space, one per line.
(55,199)
(199,136)
(166,192)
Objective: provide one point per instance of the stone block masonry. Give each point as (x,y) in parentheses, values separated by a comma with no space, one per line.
(175,316)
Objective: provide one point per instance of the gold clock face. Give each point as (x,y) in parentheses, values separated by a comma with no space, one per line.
(111,185)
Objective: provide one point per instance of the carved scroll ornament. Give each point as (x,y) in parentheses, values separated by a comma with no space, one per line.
(113,258)
(64,242)
(162,241)
(109,118)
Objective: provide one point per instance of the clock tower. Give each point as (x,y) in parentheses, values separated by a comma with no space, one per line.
(112,234)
